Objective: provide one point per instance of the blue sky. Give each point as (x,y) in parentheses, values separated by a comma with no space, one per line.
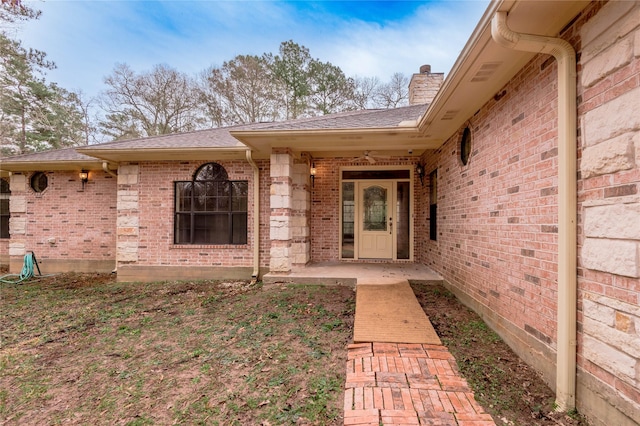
(365,38)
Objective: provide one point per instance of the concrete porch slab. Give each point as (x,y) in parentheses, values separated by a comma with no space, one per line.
(343,273)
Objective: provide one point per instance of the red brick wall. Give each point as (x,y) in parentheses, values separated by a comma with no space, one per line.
(497,216)
(4,244)
(156,209)
(497,226)
(421,215)
(325,210)
(82,224)
(265,212)
(4,252)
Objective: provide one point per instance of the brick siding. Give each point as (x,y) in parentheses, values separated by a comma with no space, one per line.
(4,252)
(493,212)
(64,224)
(497,216)
(155,211)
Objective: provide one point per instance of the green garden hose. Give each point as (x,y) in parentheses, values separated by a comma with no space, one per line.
(26,273)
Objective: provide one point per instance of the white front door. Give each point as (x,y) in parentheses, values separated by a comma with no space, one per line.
(375,226)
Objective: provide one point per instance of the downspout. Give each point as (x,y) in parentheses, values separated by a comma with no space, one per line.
(567,198)
(105,167)
(256,218)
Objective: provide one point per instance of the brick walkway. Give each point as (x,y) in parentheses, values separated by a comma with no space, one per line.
(407,384)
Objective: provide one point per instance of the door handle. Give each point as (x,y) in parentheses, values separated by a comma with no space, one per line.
(390,225)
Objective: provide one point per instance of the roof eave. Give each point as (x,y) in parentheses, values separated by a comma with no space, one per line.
(166,154)
(484,68)
(50,165)
(333,140)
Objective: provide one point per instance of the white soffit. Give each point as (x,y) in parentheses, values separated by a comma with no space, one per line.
(484,67)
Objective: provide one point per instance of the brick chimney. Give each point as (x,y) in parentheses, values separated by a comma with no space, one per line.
(424,86)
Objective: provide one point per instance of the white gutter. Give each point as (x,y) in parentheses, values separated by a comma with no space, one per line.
(256,218)
(105,167)
(567,198)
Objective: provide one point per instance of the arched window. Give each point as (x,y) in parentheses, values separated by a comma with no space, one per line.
(210,209)
(4,208)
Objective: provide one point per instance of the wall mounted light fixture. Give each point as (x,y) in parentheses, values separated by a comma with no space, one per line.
(312,173)
(84,177)
(420,171)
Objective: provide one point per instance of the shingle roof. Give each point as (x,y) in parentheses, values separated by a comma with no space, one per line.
(364,119)
(218,137)
(222,137)
(63,154)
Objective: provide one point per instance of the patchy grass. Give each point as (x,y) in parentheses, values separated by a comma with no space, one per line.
(78,348)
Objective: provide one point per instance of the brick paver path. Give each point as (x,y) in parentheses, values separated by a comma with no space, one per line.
(408,384)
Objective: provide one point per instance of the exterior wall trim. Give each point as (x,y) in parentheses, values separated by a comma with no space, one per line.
(150,273)
(411,179)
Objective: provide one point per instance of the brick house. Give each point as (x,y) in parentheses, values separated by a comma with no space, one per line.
(516,179)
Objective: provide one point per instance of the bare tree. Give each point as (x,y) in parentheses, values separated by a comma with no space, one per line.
(393,94)
(158,102)
(365,89)
(245,89)
(210,99)
(87,107)
(239,92)
(12,11)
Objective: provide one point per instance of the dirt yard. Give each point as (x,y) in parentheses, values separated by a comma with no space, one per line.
(83,349)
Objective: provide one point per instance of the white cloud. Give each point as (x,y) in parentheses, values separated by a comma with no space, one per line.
(432,36)
(86,38)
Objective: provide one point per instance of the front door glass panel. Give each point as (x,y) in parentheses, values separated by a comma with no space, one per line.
(374,209)
(348,219)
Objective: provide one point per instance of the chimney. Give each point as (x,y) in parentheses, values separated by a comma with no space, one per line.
(424,86)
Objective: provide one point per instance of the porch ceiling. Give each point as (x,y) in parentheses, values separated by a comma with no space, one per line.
(338,143)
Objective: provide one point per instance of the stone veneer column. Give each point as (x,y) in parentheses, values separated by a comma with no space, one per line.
(610,166)
(17,221)
(611,144)
(281,202)
(128,214)
(300,214)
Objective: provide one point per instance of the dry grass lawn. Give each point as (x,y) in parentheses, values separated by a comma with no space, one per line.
(82,349)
